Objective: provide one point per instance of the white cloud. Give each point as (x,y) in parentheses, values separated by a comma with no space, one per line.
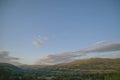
(39,41)
(101,42)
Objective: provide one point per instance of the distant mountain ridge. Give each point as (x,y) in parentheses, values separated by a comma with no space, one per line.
(10,66)
(92,64)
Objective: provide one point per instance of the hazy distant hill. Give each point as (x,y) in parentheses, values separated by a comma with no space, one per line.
(10,66)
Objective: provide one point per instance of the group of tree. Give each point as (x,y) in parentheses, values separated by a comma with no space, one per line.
(7,74)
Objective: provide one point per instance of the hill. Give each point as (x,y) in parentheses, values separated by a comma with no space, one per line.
(92,64)
(10,67)
(84,65)
(87,69)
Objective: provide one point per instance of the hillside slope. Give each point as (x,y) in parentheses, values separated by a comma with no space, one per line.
(10,66)
(85,65)
(93,64)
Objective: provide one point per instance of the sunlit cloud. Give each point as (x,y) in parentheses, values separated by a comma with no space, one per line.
(94,45)
(106,48)
(72,55)
(57,58)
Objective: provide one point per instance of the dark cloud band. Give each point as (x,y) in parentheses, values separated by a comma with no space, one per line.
(5,58)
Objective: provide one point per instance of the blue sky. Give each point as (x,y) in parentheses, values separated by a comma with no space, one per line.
(56,26)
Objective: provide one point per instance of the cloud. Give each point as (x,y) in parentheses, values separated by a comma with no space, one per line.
(72,55)
(5,58)
(94,45)
(57,58)
(39,41)
(100,42)
(106,48)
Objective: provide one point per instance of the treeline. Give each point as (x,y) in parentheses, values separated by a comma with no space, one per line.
(7,74)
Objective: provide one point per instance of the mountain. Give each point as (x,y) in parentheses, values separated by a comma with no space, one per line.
(33,67)
(10,66)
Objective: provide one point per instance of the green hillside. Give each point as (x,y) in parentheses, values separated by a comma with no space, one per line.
(93,65)
(100,65)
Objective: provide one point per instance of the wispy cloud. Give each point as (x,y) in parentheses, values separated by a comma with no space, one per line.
(94,45)
(106,48)
(39,41)
(5,58)
(55,59)
(100,42)
(72,55)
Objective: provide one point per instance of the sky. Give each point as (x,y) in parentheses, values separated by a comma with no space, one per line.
(37,31)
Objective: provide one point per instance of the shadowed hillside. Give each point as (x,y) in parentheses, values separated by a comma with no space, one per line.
(10,66)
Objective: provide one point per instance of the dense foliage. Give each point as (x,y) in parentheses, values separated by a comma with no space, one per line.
(6,74)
